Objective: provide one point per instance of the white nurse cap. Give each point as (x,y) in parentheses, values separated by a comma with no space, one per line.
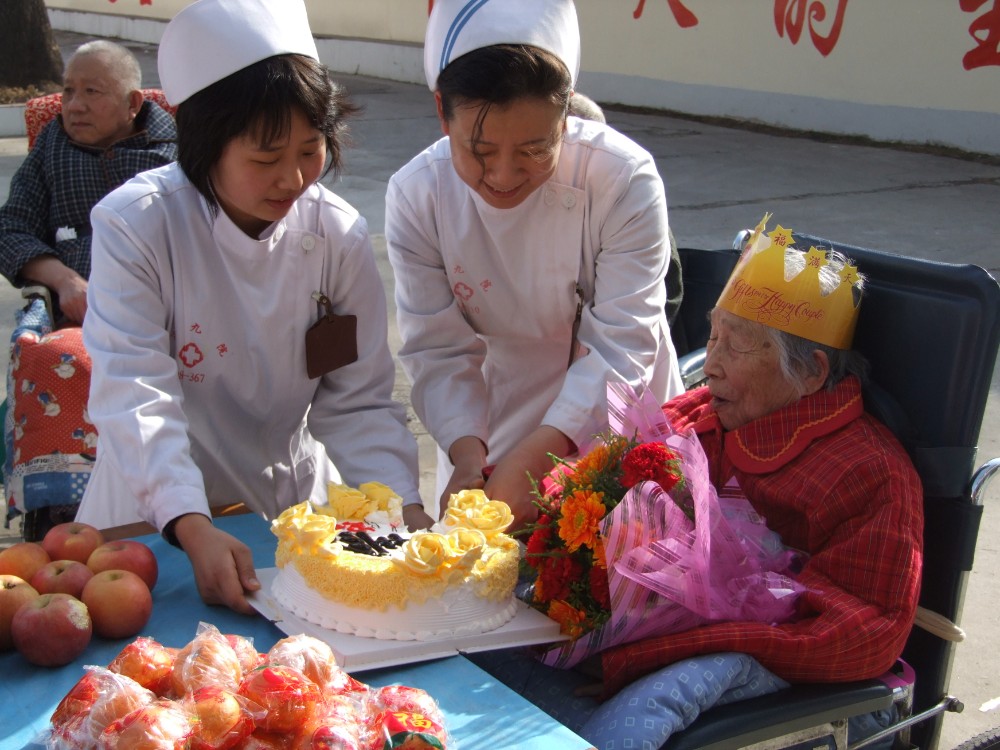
(459,26)
(211,39)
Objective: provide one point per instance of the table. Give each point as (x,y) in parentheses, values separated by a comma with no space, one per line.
(481,713)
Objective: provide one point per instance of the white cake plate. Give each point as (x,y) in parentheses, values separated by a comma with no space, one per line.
(355,653)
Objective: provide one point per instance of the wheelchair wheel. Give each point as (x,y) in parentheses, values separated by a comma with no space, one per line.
(988,740)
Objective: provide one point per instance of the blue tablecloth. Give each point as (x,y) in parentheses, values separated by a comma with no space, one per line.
(481,713)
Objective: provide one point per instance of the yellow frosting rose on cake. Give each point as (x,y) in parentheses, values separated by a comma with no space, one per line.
(472,509)
(306,532)
(371,501)
(446,556)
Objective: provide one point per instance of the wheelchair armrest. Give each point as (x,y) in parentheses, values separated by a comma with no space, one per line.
(37,291)
(771,716)
(692,366)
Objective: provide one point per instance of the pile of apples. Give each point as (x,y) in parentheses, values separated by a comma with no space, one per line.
(56,594)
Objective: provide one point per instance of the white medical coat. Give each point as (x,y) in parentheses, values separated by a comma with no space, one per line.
(486,297)
(197,333)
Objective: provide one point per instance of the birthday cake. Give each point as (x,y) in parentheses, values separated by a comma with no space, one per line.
(361,572)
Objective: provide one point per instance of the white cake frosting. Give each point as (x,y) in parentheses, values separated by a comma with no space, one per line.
(457,613)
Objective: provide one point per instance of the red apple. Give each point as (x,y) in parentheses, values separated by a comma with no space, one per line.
(126,554)
(72,541)
(119,602)
(23,559)
(14,592)
(51,630)
(62,577)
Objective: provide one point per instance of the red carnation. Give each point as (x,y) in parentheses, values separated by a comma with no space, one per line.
(651,462)
(538,543)
(599,587)
(555,575)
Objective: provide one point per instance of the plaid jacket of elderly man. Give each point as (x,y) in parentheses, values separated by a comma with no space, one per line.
(835,483)
(60,181)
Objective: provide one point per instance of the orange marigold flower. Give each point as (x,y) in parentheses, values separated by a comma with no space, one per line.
(581,513)
(569,618)
(594,462)
(600,561)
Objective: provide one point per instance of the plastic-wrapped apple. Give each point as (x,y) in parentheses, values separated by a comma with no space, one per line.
(119,602)
(339,723)
(247,654)
(288,696)
(97,699)
(72,540)
(311,656)
(146,661)
(62,577)
(207,659)
(51,630)
(261,740)
(14,593)
(162,725)
(224,718)
(23,559)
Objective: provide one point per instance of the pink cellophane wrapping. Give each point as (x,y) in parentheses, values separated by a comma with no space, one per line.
(667,574)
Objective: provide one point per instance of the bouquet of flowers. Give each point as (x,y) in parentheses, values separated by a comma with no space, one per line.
(633,541)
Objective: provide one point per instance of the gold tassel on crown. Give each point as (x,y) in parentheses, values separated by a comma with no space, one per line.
(758,291)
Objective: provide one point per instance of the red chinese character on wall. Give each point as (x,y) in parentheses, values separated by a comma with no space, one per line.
(684,17)
(986,31)
(790,16)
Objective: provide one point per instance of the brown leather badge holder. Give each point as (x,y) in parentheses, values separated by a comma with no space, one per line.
(331,342)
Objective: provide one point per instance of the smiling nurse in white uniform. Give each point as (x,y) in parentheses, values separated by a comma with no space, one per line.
(237,320)
(529,250)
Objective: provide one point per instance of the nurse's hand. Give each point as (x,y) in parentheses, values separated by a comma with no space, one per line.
(223,565)
(511,479)
(468,456)
(416,518)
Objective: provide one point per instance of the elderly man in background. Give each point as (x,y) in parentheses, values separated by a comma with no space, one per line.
(105,135)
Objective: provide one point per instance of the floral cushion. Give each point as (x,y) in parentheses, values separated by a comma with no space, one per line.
(49,439)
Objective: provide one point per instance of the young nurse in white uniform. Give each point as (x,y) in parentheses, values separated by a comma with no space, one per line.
(529,251)
(207,276)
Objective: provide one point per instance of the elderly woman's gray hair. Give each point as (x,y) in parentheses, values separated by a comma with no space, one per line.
(795,354)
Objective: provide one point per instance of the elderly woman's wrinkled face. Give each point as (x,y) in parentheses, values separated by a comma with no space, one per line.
(743,370)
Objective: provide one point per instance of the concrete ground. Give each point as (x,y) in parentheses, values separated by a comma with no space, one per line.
(721,179)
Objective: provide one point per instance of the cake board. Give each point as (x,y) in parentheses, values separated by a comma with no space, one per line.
(356,653)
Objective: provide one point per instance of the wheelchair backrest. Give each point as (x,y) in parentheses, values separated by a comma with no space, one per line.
(704,275)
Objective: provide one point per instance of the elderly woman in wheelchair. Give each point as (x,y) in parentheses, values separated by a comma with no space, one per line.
(782,414)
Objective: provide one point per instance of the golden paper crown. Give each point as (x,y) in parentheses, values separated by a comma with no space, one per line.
(759,291)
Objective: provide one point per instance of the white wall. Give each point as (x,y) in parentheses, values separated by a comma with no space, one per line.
(893,70)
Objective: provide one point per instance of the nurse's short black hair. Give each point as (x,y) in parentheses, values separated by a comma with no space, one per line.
(501,74)
(258,101)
